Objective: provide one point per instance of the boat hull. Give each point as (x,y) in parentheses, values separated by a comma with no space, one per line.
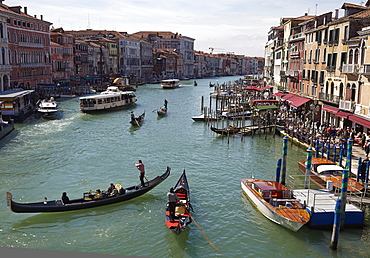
(78,204)
(269,211)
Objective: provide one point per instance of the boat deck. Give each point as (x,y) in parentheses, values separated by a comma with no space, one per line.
(321,205)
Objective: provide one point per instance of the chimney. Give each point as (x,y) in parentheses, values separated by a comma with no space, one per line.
(25,10)
(41,17)
(336,13)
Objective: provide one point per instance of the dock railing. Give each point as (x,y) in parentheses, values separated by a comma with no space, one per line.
(357,197)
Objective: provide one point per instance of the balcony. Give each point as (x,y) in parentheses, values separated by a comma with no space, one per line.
(28,44)
(350,68)
(329,98)
(330,69)
(347,105)
(33,65)
(366,69)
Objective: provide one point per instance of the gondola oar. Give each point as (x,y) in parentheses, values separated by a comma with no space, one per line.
(203,233)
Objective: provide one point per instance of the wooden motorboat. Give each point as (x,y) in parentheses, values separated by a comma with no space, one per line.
(324,171)
(88,200)
(276,202)
(182,212)
(136,121)
(47,108)
(226,131)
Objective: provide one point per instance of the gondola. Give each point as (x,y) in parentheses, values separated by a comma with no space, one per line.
(163,110)
(226,131)
(88,200)
(137,121)
(182,211)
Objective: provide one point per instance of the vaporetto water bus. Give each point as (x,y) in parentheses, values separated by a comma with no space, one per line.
(110,99)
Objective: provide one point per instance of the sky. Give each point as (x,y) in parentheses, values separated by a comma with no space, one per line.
(230,26)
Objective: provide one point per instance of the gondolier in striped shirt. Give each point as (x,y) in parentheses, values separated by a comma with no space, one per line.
(140,167)
(173,199)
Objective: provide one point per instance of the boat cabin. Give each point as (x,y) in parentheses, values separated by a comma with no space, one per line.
(17,104)
(270,189)
(329,170)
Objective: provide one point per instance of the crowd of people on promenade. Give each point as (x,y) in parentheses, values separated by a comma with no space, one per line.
(303,126)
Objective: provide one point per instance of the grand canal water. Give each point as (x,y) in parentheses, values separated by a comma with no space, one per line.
(78,152)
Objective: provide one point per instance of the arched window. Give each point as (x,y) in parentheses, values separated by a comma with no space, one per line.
(350,57)
(363,49)
(356,56)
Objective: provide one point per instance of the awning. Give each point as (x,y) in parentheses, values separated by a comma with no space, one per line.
(343,114)
(297,101)
(266,87)
(278,94)
(360,121)
(288,96)
(330,109)
(252,88)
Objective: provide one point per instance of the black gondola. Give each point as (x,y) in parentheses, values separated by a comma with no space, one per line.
(137,120)
(226,131)
(163,110)
(182,212)
(87,201)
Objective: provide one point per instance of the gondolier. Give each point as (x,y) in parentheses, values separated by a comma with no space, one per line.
(172,201)
(141,168)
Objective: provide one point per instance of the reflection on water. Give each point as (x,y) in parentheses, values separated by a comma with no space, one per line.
(87,151)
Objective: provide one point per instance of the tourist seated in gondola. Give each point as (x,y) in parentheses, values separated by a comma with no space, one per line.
(98,194)
(65,198)
(111,188)
(120,189)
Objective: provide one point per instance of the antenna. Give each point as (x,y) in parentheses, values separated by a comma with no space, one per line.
(316,10)
(88,20)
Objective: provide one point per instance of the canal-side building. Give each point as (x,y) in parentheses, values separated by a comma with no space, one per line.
(333,72)
(5,67)
(65,66)
(29,47)
(168,40)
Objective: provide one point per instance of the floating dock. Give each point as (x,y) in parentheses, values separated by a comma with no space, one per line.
(321,205)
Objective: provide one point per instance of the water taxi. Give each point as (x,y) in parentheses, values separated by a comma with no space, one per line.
(110,99)
(47,108)
(276,202)
(170,84)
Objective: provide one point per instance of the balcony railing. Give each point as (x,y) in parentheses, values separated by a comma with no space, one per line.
(366,69)
(329,97)
(350,68)
(28,44)
(347,105)
(330,68)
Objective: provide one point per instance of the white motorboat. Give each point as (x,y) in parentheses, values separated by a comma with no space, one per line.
(110,99)
(47,108)
(170,84)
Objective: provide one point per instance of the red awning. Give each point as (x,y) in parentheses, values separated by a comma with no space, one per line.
(252,88)
(266,87)
(343,114)
(360,121)
(330,109)
(297,101)
(278,94)
(288,96)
